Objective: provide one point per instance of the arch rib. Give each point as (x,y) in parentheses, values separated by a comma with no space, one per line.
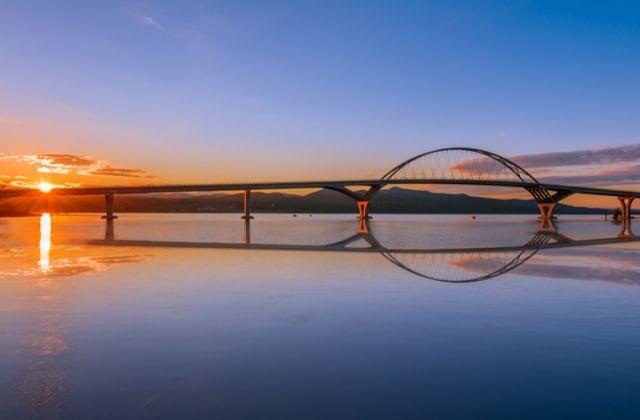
(529,182)
(517,170)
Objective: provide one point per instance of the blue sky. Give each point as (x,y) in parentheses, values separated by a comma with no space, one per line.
(207,90)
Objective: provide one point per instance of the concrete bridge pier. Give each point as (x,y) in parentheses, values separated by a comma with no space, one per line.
(363,226)
(109,199)
(246,215)
(109,232)
(547,203)
(362,200)
(546,217)
(247,231)
(625,207)
(625,230)
(363,210)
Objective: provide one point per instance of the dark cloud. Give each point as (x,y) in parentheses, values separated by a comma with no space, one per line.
(122,172)
(620,154)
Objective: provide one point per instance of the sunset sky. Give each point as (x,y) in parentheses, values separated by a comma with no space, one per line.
(195,91)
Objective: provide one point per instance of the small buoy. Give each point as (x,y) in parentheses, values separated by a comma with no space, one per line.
(473,217)
(294,215)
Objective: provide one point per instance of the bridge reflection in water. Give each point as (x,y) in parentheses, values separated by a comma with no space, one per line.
(450,265)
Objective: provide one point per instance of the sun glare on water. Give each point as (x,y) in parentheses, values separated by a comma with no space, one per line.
(45,241)
(45,187)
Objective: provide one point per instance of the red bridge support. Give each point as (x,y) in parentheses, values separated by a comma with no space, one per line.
(363,209)
(625,206)
(546,217)
(246,215)
(547,203)
(108,200)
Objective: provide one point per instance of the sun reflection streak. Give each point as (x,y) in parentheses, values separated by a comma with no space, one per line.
(45,242)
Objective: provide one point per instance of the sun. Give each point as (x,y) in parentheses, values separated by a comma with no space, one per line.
(45,187)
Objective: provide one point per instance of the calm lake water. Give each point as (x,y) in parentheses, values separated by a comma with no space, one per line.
(193,316)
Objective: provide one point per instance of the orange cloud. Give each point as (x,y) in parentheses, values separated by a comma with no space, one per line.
(64,164)
(63,170)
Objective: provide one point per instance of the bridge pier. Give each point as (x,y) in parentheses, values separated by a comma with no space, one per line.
(362,200)
(363,226)
(109,199)
(546,217)
(246,215)
(625,206)
(625,230)
(247,231)
(109,232)
(363,209)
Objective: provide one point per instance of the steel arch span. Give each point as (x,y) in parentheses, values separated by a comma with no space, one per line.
(471,166)
(460,164)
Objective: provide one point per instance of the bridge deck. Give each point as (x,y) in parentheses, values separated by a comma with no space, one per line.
(149,189)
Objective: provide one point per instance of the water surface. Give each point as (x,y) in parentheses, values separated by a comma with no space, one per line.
(193,316)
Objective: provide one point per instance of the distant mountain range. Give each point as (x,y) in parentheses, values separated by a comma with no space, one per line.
(393,200)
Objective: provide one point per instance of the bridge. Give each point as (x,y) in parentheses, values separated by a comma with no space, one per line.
(447,264)
(448,166)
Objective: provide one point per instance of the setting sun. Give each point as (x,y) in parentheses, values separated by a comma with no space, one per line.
(45,187)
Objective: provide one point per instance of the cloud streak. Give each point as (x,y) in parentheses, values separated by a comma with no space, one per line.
(143,18)
(605,166)
(123,172)
(65,164)
(605,156)
(148,21)
(599,176)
